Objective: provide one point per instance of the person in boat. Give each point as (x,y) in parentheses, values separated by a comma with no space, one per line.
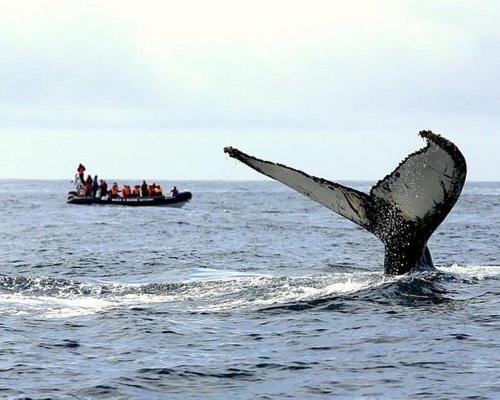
(136,191)
(159,190)
(104,188)
(156,190)
(78,183)
(174,192)
(88,185)
(80,171)
(144,189)
(126,192)
(114,190)
(95,186)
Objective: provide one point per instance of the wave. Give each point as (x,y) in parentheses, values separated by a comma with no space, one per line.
(229,290)
(472,272)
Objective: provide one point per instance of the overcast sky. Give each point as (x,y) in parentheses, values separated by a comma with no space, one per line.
(157,88)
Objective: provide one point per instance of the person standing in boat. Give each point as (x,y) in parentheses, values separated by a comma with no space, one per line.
(81,170)
(95,186)
(144,189)
(174,192)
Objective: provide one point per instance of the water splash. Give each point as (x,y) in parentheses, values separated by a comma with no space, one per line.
(216,291)
(474,272)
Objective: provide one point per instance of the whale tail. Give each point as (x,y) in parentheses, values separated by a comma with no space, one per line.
(402,210)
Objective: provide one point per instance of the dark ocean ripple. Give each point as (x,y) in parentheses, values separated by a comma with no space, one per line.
(249,292)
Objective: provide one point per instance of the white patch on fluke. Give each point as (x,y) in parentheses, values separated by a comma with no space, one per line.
(345,201)
(420,183)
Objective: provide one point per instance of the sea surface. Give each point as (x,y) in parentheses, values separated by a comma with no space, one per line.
(251,291)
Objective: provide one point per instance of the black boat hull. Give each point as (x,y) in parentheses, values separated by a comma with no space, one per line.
(160,201)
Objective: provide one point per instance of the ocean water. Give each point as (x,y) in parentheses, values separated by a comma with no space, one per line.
(251,291)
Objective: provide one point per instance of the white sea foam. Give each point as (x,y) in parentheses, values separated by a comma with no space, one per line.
(230,291)
(50,307)
(473,271)
(275,291)
(67,307)
(210,290)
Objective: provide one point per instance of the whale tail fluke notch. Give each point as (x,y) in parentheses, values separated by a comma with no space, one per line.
(402,210)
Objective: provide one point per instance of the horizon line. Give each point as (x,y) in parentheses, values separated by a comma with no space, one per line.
(213,180)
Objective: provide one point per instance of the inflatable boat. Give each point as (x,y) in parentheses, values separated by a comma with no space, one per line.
(158,201)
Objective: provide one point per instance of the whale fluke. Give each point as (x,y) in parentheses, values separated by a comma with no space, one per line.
(402,210)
